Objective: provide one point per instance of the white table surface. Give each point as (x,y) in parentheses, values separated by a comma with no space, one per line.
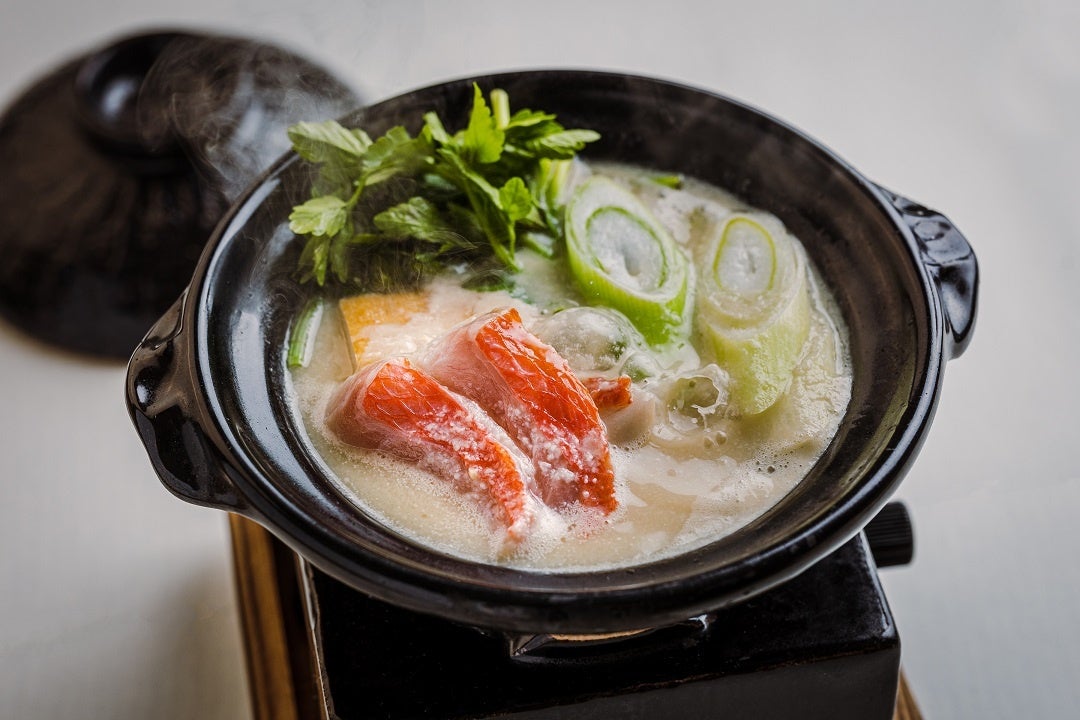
(116,600)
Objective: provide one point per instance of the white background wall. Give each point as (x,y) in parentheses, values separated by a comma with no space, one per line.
(116,599)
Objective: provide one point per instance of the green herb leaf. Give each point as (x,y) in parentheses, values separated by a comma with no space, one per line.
(548,190)
(519,137)
(396,153)
(529,119)
(464,219)
(515,199)
(482,142)
(319,216)
(485,202)
(312,262)
(469,192)
(416,218)
(338,259)
(327,142)
(561,145)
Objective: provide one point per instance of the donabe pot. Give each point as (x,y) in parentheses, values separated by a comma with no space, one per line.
(207,387)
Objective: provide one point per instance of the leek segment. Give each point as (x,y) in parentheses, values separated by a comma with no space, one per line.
(623,258)
(753,310)
(303,332)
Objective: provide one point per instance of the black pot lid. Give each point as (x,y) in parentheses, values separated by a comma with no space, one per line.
(115,168)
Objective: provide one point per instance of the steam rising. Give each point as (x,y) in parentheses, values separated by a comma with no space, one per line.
(229,101)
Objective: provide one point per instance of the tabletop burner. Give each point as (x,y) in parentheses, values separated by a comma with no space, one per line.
(823,645)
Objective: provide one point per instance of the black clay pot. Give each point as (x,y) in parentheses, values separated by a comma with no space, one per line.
(206,387)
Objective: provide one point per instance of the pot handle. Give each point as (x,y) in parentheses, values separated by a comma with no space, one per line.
(951,262)
(162,391)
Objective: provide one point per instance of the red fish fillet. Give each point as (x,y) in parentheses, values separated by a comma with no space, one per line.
(397,408)
(529,389)
(609,394)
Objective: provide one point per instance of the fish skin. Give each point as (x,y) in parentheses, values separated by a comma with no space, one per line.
(610,394)
(529,389)
(397,408)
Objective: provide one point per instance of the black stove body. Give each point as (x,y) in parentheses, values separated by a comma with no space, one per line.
(821,646)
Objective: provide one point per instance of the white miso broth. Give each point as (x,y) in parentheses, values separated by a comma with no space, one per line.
(690,466)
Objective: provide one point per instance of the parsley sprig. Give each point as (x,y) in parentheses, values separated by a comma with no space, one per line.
(410,204)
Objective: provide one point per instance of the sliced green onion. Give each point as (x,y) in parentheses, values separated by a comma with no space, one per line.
(302,336)
(675,182)
(622,257)
(753,309)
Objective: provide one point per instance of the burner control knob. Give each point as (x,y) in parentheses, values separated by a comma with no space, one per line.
(890,536)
